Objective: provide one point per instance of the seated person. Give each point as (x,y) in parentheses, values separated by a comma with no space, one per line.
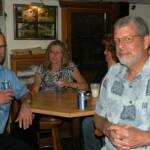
(20,92)
(123,108)
(91,142)
(58,71)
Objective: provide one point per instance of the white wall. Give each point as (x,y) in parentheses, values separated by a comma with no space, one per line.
(141,10)
(1,23)
(9,30)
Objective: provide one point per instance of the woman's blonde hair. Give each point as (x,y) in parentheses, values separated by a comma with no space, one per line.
(65,58)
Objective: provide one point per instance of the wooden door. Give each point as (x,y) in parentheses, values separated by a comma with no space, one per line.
(83,29)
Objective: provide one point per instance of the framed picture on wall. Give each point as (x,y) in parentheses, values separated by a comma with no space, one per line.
(35,22)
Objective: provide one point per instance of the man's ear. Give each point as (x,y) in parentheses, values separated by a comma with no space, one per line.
(146,41)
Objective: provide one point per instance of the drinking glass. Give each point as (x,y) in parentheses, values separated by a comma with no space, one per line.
(95,88)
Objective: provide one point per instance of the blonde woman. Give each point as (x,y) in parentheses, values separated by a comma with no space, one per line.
(58,71)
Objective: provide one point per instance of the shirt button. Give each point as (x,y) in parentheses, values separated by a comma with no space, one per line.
(130,85)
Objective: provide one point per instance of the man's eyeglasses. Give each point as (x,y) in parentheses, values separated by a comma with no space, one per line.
(125,39)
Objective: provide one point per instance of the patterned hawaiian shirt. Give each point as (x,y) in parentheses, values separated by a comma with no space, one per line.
(126,102)
(49,79)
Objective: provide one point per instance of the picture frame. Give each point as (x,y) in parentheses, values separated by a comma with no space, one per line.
(37,22)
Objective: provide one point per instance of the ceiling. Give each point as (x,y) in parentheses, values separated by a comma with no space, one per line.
(130,1)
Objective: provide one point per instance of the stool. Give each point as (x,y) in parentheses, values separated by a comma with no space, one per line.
(48,133)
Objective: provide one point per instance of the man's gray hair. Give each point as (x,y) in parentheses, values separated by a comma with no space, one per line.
(140,24)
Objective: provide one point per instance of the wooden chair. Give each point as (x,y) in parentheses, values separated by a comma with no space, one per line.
(48,133)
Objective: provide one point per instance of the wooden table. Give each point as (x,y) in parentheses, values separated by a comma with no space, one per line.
(61,104)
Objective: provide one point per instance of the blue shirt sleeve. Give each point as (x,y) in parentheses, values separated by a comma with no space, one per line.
(18,88)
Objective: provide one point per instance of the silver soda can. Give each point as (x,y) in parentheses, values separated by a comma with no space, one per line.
(5,84)
(81,100)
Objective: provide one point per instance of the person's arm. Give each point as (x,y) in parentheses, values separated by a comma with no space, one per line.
(146,137)
(36,84)
(25,115)
(121,135)
(102,124)
(79,82)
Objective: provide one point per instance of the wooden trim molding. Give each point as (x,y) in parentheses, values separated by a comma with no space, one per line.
(77,4)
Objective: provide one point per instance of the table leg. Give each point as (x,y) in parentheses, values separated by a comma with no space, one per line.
(76,133)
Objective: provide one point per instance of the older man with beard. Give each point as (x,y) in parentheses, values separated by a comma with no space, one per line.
(123,109)
(20,92)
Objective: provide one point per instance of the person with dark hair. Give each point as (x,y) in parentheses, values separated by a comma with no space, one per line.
(58,72)
(110,57)
(91,142)
(123,108)
(12,89)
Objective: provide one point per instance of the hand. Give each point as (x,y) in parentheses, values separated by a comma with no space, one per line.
(134,137)
(116,133)
(6,96)
(25,116)
(127,137)
(62,83)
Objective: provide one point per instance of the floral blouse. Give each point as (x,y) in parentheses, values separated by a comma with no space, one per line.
(49,79)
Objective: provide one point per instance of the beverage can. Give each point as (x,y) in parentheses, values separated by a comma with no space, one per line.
(5,84)
(81,100)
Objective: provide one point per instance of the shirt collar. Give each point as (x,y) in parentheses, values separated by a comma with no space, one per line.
(145,68)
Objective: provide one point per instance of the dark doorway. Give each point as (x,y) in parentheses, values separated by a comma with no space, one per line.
(87,31)
(84,27)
